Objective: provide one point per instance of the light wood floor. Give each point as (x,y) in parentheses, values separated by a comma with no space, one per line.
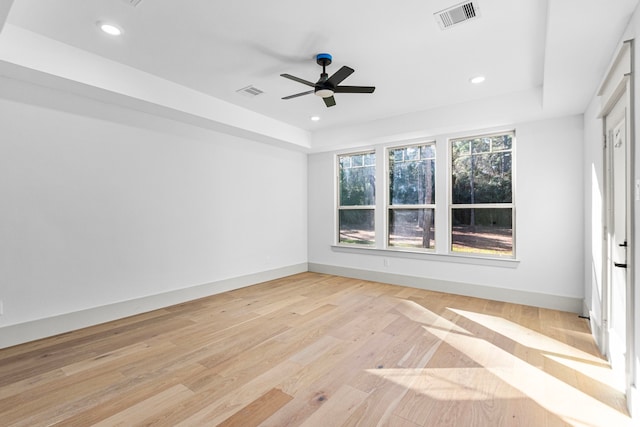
(317,350)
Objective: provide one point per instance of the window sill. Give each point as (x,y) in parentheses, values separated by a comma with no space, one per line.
(431,256)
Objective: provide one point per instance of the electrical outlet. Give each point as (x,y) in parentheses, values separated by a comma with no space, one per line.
(385,262)
(1,308)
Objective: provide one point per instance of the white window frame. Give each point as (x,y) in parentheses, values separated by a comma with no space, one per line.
(340,207)
(452,206)
(387,195)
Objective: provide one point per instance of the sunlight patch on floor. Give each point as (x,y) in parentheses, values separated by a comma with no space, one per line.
(554,395)
(447,383)
(595,367)
(525,336)
(420,314)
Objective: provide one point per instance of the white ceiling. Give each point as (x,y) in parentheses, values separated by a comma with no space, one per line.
(560,47)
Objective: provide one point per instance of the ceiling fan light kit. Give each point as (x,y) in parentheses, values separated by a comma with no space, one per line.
(324,93)
(327,86)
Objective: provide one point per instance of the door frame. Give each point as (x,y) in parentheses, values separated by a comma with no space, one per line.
(619,82)
(611,241)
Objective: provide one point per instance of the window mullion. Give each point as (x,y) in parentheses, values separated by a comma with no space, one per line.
(481,205)
(443,172)
(382,195)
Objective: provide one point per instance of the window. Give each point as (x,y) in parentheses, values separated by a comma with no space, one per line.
(411,202)
(357,198)
(477,187)
(482,209)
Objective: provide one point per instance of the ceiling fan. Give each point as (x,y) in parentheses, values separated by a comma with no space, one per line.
(327,86)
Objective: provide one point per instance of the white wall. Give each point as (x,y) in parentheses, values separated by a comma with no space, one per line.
(101,205)
(549,224)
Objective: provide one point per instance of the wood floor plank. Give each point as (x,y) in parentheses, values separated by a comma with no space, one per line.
(59,355)
(70,339)
(241,343)
(33,407)
(395,421)
(399,350)
(138,413)
(119,397)
(387,387)
(258,410)
(320,381)
(29,383)
(337,409)
(106,358)
(315,349)
(238,397)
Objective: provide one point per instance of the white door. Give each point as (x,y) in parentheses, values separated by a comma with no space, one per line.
(616,135)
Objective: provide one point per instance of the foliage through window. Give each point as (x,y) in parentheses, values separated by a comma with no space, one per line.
(411,203)
(357,198)
(482,208)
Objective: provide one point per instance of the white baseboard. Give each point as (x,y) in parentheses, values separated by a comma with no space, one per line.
(585,309)
(596,332)
(633,404)
(554,302)
(29,331)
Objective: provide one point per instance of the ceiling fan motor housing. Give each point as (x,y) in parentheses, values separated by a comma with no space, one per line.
(323,89)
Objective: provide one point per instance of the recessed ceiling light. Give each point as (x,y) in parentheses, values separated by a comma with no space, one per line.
(110,29)
(315,118)
(477,80)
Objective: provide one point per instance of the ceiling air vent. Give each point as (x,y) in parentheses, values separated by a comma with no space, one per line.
(133,3)
(457,14)
(250,91)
